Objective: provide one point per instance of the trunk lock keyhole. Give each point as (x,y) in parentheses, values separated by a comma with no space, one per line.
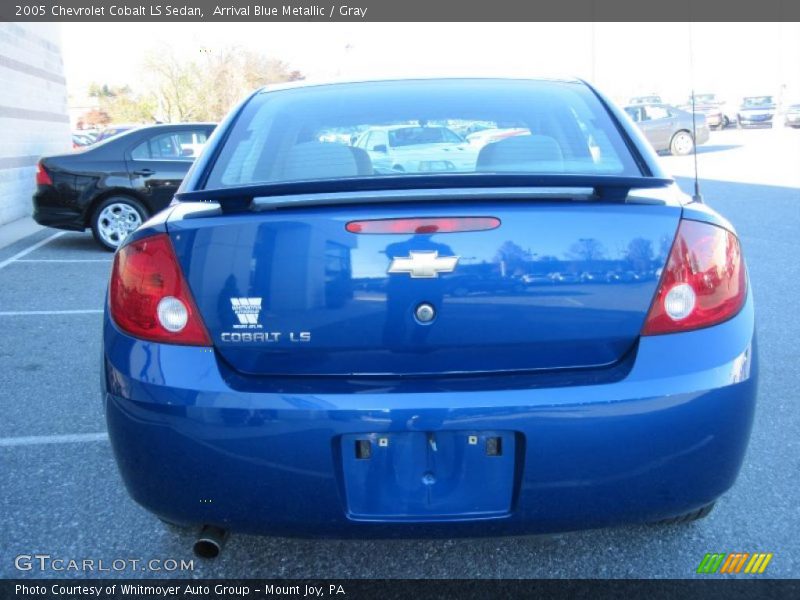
(425,313)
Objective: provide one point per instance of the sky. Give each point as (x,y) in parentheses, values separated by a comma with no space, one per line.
(623,59)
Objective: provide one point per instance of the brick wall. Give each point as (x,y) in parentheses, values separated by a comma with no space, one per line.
(33,110)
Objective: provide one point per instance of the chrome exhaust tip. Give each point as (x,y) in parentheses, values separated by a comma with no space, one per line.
(210,541)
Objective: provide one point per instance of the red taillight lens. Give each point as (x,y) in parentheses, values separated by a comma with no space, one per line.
(149,298)
(424,225)
(42,176)
(704,282)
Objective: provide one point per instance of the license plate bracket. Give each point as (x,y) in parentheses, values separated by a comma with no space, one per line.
(428,475)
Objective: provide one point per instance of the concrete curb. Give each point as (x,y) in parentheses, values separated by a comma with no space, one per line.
(16,230)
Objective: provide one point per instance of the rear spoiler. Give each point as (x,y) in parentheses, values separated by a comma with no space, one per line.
(423,187)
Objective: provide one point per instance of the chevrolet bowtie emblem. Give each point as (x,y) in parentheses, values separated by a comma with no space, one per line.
(423,264)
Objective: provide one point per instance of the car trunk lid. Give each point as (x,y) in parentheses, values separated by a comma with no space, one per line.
(556,285)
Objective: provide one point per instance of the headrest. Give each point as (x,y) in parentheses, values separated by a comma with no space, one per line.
(324,160)
(522,153)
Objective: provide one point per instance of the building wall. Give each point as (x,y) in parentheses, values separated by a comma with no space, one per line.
(33,110)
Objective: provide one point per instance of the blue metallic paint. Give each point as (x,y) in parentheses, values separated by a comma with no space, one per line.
(667,438)
(658,433)
(575,295)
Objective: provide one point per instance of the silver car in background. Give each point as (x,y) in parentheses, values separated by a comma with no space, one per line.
(792,116)
(669,129)
(417,149)
(756,111)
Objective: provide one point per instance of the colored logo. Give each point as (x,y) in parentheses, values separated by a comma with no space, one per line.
(735,562)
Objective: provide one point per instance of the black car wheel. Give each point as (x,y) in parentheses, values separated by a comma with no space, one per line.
(115,218)
(682,143)
(695,515)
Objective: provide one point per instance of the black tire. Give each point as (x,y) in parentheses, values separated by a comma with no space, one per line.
(695,515)
(99,220)
(681,144)
(725,122)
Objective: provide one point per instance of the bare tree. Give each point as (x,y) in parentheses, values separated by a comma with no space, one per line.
(172,85)
(587,249)
(230,73)
(178,89)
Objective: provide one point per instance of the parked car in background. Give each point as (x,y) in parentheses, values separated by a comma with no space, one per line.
(80,140)
(756,111)
(416,149)
(295,359)
(113,130)
(710,107)
(113,186)
(650,99)
(669,129)
(792,116)
(495,134)
(191,142)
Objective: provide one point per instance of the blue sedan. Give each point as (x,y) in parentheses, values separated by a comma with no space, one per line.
(548,337)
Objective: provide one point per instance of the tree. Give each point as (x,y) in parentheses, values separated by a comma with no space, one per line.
(95,118)
(207,88)
(587,249)
(177,89)
(512,257)
(639,254)
(121,104)
(173,86)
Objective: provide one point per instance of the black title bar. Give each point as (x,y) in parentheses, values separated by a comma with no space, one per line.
(399,10)
(388,589)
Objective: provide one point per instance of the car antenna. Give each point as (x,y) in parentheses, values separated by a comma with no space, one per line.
(697,197)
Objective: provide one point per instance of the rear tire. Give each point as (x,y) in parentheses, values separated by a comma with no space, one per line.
(115,218)
(695,515)
(681,144)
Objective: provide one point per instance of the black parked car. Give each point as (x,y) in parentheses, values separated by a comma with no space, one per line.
(113,186)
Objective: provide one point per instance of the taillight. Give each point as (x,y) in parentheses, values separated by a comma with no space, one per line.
(149,297)
(703,283)
(424,225)
(42,176)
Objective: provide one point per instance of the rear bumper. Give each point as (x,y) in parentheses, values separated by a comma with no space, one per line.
(61,217)
(765,121)
(668,438)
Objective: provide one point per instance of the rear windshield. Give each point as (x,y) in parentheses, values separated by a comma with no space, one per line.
(758,101)
(384,129)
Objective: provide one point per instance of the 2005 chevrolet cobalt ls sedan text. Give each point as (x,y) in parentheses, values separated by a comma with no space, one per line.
(535,333)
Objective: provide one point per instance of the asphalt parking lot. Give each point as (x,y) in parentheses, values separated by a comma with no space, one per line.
(62,496)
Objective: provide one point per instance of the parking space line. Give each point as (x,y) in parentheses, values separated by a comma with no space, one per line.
(37,440)
(64,260)
(25,313)
(30,249)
